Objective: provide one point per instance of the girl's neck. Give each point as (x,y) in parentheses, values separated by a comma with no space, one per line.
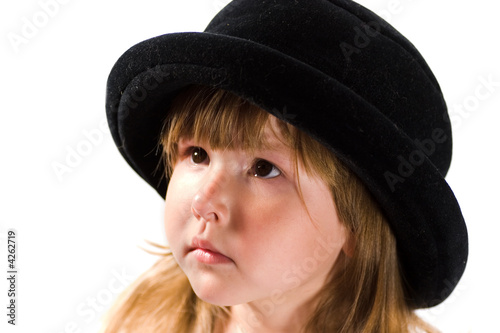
(264,317)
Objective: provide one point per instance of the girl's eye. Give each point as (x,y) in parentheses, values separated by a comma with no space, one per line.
(266,170)
(198,155)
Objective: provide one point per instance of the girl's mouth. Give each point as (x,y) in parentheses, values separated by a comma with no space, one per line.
(204,252)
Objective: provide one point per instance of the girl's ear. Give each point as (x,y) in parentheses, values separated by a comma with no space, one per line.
(349,244)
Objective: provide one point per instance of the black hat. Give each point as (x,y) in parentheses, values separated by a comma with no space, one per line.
(336,71)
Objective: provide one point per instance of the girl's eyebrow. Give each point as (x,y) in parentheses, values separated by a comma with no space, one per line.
(280,150)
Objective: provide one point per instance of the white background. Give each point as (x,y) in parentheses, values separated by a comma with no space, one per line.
(79,231)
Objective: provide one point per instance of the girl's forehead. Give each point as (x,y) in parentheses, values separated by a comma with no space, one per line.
(273,135)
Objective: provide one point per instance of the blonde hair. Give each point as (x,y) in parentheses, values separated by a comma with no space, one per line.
(365,295)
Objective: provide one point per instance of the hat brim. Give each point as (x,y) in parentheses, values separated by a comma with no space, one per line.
(421,208)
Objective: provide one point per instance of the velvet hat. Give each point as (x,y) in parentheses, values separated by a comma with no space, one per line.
(337,71)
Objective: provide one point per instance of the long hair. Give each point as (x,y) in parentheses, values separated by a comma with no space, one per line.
(367,294)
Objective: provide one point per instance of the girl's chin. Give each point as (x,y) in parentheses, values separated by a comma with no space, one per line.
(212,293)
(219,296)
(218,300)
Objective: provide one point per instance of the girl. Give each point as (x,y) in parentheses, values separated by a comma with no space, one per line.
(304,172)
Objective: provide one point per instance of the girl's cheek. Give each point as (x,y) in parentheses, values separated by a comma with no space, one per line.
(179,197)
(184,179)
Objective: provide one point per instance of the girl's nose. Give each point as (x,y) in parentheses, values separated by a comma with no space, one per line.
(210,201)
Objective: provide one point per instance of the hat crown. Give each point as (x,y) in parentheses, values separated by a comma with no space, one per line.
(360,50)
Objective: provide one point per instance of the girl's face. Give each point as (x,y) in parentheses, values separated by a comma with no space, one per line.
(239,230)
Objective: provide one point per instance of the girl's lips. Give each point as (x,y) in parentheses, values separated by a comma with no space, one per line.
(206,253)
(208,257)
